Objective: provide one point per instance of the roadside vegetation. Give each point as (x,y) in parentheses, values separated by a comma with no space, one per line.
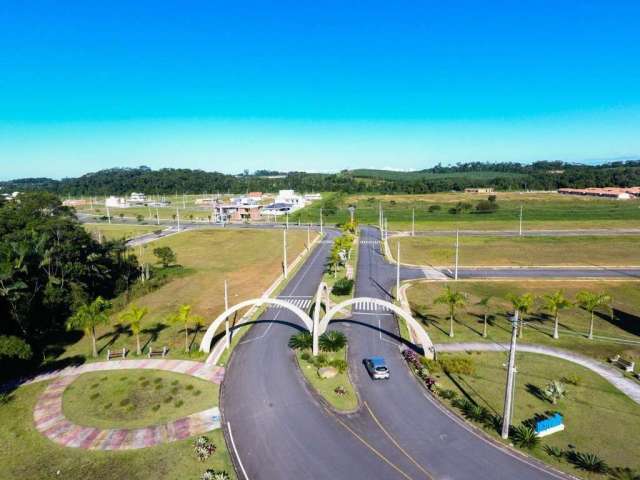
(328,372)
(340,270)
(115,232)
(472,385)
(519,251)
(607,309)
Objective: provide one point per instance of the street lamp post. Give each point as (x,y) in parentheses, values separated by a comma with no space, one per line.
(178,217)
(321,232)
(108,216)
(284,253)
(308,236)
(398,272)
(226,322)
(457,252)
(520,230)
(511,378)
(413,222)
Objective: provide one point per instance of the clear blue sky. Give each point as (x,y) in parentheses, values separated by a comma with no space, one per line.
(314,85)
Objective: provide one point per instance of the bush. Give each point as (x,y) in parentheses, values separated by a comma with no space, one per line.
(301,341)
(525,437)
(343,286)
(588,462)
(447,394)
(215,475)
(339,365)
(306,356)
(332,341)
(485,206)
(474,412)
(434,208)
(620,473)
(320,361)
(166,256)
(14,347)
(431,365)
(340,390)
(572,379)
(555,452)
(203,448)
(458,365)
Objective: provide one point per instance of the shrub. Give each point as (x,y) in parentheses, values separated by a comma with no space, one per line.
(554,391)
(166,256)
(332,341)
(485,206)
(215,475)
(339,364)
(434,208)
(588,462)
(555,452)
(432,365)
(475,412)
(340,390)
(320,361)
(430,382)
(306,356)
(458,365)
(620,473)
(14,347)
(525,437)
(412,358)
(343,286)
(301,341)
(448,394)
(203,448)
(572,379)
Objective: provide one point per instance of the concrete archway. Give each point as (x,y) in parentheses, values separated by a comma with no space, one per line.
(205,344)
(321,292)
(422,336)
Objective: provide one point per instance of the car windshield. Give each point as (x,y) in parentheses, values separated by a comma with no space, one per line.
(381,369)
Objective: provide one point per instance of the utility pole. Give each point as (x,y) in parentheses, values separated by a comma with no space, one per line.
(308,236)
(184,202)
(386,229)
(321,232)
(108,215)
(380,215)
(398,272)
(226,322)
(520,220)
(178,217)
(284,253)
(157,214)
(457,252)
(413,222)
(511,377)
(287,220)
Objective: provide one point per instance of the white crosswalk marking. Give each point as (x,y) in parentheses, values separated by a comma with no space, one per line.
(368,306)
(369,242)
(302,303)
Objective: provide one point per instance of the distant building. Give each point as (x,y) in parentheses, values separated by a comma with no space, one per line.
(277,209)
(311,197)
(10,196)
(236,212)
(137,199)
(76,202)
(618,193)
(116,202)
(478,190)
(255,195)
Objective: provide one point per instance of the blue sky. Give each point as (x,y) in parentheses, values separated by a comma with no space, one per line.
(317,86)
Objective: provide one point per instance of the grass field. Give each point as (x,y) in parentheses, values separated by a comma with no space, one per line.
(592,406)
(540,211)
(115,232)
(135,399)
(250,260)
(28,455)
(574,322)
(519,251)
(326,386)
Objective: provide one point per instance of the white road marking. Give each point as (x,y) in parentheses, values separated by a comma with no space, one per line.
(264,334)
(235,450)
(380,333)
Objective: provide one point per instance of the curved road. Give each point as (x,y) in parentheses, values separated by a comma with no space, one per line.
(281,431)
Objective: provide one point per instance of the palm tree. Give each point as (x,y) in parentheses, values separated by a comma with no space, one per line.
(591,302)
(522,304)
(134,318)
(554,303)
(454,300)
(183,316)
(88,317)
(332,341)
(555,391)
(484,303)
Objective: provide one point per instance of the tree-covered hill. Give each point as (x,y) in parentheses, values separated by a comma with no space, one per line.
(501,176)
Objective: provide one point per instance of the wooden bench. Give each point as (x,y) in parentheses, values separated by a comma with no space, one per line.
(157,353)
(626,365)
(116,353)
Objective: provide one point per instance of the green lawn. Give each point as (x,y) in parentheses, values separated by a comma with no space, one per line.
(115,232)
(541,211)
(135,399)
(574,322)
(208,257)
(598,418)
(28,455)
(519,251)
(326,386)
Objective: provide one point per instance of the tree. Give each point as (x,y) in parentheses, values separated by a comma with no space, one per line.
(166,256)
(522,304)
(88,317)
(555,391)
(554,303)
(134,317)
(484,303)
(332,341)
(185,317)
(14,348)
(453,300)
(591,302)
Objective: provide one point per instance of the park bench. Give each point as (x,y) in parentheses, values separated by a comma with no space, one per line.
(157,353)
(626,365)
(116,353)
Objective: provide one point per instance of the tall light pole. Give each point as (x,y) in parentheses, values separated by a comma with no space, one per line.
(413,222)
(457,252)
(108,215)
(178,217)
(287,220)
(386,229)
(321,232)
(520,233)
(511,378)
(226,322)
(308,236)
(398,272)
(284,253)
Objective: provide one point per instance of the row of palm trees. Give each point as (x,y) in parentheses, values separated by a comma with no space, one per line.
(554,303)
(91,315)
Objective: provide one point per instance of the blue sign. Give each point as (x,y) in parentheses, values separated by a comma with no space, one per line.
(551,422)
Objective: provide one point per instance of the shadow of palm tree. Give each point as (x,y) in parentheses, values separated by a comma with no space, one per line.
(628,322)
(118,330)
(153,332)
(536,391)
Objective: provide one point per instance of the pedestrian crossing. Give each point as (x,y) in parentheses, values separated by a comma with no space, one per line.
(301,302)
(369,242)
(366,306)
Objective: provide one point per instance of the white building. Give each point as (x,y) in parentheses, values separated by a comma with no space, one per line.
(116,202)
(137,198)
(291,198)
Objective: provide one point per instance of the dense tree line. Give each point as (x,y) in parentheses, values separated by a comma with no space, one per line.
(49,267)
(535,176)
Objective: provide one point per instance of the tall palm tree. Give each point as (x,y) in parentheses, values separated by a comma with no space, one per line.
(591,302)
(183,316)
(484,303)
(88,317)
(522,304)
(134,317)
(554,303)
(454,300)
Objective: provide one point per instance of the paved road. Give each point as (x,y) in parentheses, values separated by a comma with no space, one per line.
(529,233)
(545,272)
